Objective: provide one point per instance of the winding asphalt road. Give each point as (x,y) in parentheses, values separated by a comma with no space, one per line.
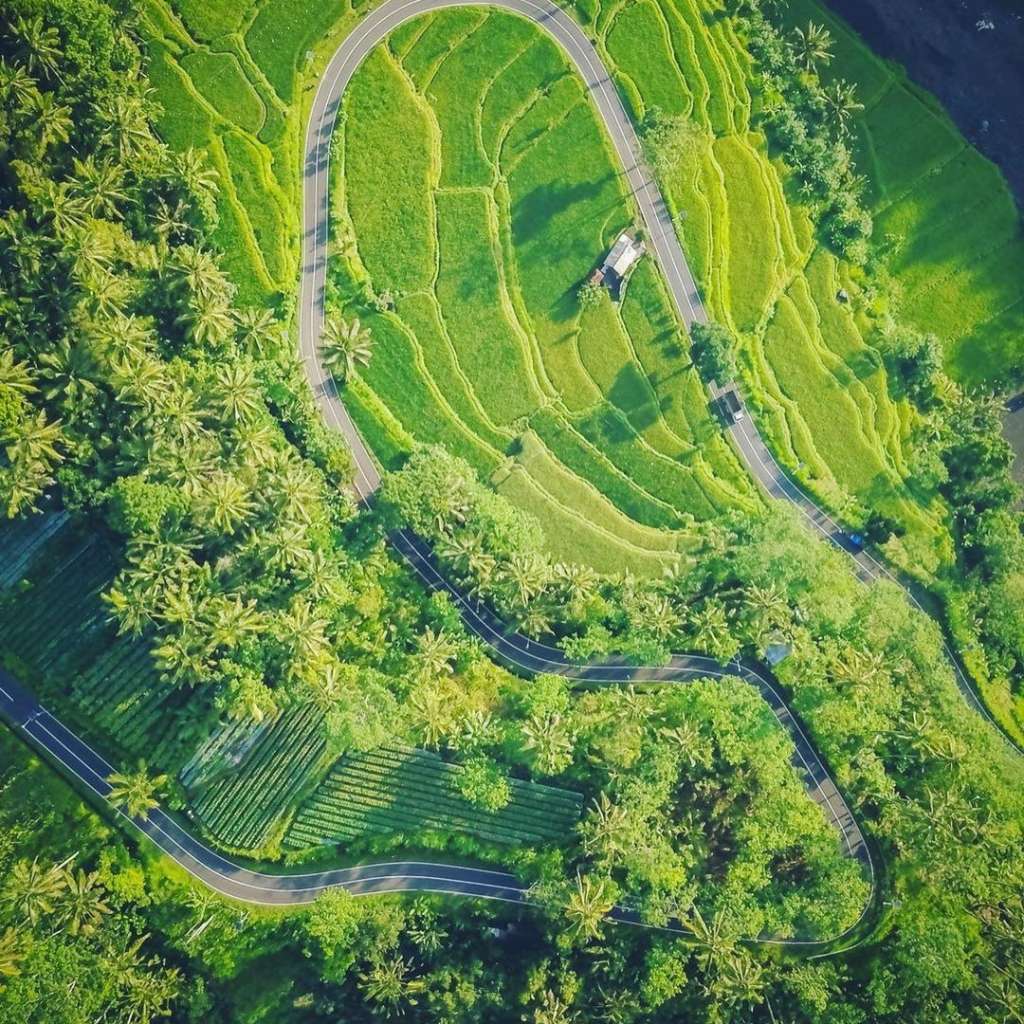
(20,707)
(660,235)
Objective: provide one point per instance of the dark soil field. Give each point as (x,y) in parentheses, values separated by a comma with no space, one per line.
(970,53)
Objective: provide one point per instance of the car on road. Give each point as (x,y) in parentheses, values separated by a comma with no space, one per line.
(732,407)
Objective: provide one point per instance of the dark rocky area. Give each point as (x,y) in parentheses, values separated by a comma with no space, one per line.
(969,53)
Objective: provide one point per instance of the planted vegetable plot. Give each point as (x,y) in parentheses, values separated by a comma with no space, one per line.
(60,630)
(402,790)
(241,808)
(55,624)
(22,539)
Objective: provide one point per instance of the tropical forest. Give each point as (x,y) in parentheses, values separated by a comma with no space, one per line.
(511,512)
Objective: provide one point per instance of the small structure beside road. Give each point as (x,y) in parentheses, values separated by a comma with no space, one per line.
(621,259)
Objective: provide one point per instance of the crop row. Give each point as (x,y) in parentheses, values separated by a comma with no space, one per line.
(242,808)
(20,541)
(396,790)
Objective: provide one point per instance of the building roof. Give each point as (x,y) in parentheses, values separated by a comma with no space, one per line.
(624,253)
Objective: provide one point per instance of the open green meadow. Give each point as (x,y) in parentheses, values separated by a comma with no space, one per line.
(478,188)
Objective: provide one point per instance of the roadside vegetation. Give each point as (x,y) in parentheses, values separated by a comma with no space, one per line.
(200,597)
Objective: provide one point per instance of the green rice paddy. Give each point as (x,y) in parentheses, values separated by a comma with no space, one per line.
(820,387)
(470,129)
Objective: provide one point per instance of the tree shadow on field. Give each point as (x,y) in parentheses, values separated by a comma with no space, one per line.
(863,364)
(533,213)
(632,394)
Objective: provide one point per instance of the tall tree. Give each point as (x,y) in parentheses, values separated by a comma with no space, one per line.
(345,345)
(135,792)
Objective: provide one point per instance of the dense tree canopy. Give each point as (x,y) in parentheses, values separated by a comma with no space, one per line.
(137,394)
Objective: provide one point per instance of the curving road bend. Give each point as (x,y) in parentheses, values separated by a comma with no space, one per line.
(20,707)
(661,237)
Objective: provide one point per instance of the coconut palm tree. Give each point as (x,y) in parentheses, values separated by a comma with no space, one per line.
(841,101)
(36,441)
(433,715)
(224,502)
(101,185)
(66,211)
(522,579)
(716,945)
(590,901)
(16,85)
(52,121)
(237,394)
(198,271)
(435,652)
(125,121)
(551,1010)
(183,657)
(92,253)
(128,609)
(578,583)
(67,371)
(304,630)
(298,492)
(320,576)
(32,891)
(712,631)
(812,46)
(230,619)
(285,548)
(14,376)
(258,330)
(548,740)
(135,792)
(605,830)
(387,985)
(12,952)
(344,346)
(170,222)
(208,320)
(107,293)
(38,43)
(145,994)
(258,443)
(196,173)
(82,905)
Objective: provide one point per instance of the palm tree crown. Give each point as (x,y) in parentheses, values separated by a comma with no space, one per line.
(344,346)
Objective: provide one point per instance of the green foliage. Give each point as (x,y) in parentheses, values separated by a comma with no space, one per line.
(483,783)
(138,507)
(671,141)
(590,295)
(715,352)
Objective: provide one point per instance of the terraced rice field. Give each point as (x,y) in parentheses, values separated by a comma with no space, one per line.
(475,120)
(477,187)
(809,362)
(227,75)
(405,791)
